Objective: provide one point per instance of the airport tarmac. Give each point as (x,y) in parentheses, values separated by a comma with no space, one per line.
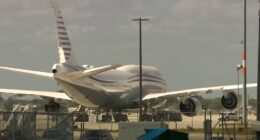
(192,136)
(189,124)
(200,136)
(194,125)
(195,122)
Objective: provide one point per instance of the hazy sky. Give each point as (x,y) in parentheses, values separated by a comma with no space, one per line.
(194,43)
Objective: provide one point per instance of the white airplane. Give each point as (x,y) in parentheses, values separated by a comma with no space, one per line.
(114,86)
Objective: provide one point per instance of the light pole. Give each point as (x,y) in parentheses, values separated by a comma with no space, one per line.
(238,68)
(244,72)
(140,65)
(258,75)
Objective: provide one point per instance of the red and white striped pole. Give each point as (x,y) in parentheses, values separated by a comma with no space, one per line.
(244,63)
(244,72)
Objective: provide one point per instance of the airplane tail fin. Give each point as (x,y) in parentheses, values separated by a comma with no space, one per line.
(64,46)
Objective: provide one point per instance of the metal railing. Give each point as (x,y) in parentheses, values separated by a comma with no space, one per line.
(30,125)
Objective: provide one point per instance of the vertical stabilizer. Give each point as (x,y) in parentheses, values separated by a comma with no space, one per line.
(64,45)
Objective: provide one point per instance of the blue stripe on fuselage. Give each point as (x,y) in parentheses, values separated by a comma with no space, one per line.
(99,80)
(147,80)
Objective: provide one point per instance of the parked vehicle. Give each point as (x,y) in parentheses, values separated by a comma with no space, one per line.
(230,116)
(97,134)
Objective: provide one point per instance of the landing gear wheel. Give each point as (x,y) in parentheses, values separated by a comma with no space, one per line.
(52,106)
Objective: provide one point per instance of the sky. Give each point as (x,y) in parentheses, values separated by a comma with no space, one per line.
(194,43)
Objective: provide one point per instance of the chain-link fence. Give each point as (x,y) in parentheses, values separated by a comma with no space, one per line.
(35,125)
(69,126)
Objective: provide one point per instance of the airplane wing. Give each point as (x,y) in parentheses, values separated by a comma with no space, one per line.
(58,95)
(193,92)
(37,73)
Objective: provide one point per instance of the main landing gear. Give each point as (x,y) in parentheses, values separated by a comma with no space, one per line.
(52,106)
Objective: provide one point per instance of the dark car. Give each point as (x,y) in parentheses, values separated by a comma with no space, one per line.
(97,134)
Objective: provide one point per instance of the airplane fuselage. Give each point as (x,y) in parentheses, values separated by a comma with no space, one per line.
(117,88)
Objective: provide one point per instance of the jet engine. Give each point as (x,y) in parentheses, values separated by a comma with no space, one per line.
(190,106)
(171,103)
(229,100)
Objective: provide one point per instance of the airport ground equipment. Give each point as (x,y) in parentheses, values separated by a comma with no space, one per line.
(82,117)
(167,116)
(207,126)
(223,123)
(96,134)
(256,128)
(119,117)
(147,117)
(104,117)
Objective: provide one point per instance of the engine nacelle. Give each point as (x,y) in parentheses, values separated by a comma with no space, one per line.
(171,103)
(229,100)
(190,106)
(55,68)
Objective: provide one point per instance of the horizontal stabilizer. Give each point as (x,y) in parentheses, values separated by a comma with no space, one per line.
(37,73)
(58,95)
(93,71)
